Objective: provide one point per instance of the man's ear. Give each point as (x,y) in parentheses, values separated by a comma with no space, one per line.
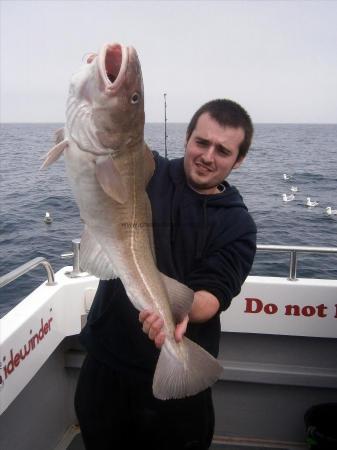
(185,143)
(238,163)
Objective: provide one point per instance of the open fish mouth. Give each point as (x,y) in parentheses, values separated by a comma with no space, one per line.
(113,60)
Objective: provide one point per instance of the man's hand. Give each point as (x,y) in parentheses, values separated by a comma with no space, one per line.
(205,306)
(153,327)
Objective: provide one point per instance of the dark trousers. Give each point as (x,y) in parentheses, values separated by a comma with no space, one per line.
(118,411)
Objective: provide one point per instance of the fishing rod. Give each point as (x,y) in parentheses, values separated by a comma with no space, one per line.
(165,126)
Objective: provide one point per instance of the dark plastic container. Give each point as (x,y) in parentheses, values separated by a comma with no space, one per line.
(321,426)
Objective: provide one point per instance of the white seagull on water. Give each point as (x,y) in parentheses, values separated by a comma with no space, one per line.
(286,177)
(330,211)
(310,203)
(294,189)
(47,218)
(288,198)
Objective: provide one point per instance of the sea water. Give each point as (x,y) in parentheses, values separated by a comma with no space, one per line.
(308,153)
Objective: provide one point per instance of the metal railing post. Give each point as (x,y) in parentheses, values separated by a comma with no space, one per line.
(293,266)
(75,254)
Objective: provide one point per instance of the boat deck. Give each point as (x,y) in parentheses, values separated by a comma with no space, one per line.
(72,440)
(77,444)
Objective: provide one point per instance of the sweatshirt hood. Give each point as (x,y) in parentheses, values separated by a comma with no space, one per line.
(229,198)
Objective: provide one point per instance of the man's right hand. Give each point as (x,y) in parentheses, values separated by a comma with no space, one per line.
(153,326)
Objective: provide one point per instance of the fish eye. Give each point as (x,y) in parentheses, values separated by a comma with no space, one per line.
(135,98)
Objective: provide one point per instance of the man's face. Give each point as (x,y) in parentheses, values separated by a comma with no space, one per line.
(211,153)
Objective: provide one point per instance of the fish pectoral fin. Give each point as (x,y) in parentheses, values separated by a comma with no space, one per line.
(181,377)
(54,153)
(180,297)
(110,179)
(93,259)
(149,164)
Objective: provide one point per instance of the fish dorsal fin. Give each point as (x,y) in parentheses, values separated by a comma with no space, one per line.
(180,297)
(93,259)
(54,153)
(149,164)
(59,135)
(110,179)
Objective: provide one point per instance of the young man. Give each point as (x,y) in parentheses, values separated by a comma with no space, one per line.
(205,238)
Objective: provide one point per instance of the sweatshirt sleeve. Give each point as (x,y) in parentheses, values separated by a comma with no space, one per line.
(223,271)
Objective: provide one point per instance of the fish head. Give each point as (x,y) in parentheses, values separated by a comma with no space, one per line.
(109,88)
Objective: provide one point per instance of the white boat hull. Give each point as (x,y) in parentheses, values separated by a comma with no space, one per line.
(278,348)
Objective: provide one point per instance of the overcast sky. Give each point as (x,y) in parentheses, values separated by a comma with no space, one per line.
(278,59)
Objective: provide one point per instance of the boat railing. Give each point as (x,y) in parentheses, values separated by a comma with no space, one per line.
(77,272)
(293,250)
(27,267)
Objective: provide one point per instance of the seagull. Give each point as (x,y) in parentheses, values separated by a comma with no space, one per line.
(330,211)
(294,189)
(288,198)
(286,177)
(47,218)
(310,203)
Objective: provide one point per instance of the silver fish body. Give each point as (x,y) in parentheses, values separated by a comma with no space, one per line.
(109,166)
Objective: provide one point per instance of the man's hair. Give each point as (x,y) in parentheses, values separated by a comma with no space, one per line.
(228,114)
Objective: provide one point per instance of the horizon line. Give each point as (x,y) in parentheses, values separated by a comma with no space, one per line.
(180,123)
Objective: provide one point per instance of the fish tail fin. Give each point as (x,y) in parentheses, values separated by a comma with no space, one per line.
(178,378)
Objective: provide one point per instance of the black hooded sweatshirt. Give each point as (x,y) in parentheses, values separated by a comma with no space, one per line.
(207,242)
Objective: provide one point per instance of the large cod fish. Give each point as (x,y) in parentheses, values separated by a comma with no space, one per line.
(109,166)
